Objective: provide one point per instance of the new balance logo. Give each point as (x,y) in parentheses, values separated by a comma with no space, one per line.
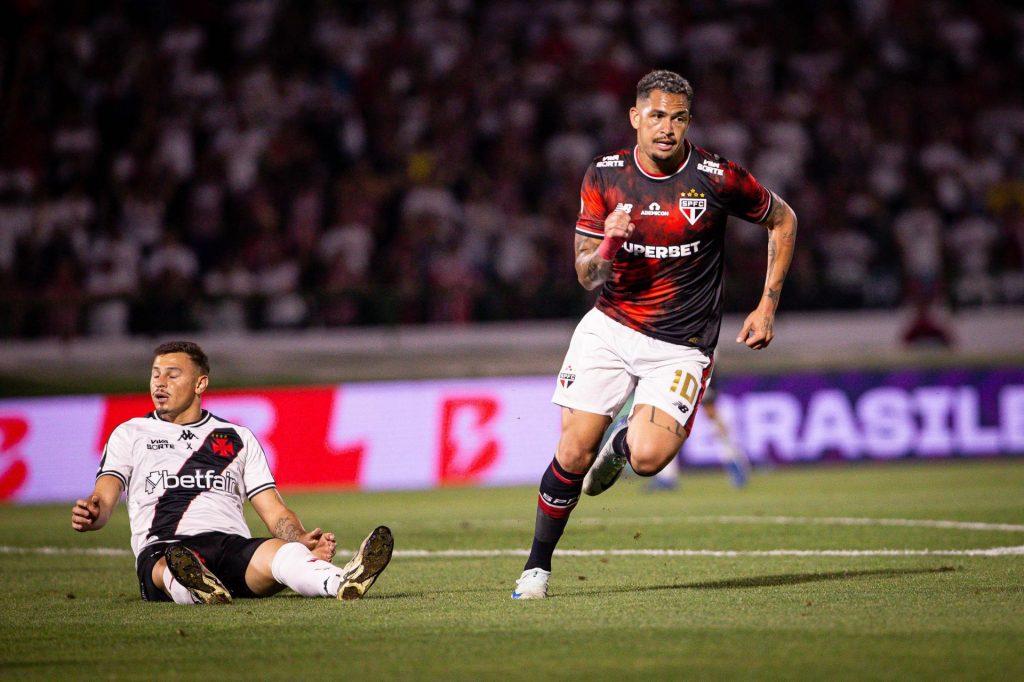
(625,208)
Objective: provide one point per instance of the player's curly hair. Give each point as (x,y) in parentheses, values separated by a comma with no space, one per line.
(666,81)
(188,348)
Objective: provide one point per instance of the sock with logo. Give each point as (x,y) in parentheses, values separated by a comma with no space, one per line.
(559,493)
(178,592)
(296,567)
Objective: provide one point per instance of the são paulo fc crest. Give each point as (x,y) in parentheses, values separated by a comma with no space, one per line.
(566,377)
(692,204)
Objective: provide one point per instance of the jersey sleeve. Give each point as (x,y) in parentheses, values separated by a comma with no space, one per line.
(256,476)
(745,197)
(590,222)
(117,455)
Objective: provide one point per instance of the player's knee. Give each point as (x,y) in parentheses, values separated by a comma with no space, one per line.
(157,574)
(647,467)
(574,456)
(647,460)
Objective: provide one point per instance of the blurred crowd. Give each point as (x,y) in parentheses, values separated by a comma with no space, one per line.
(262,164)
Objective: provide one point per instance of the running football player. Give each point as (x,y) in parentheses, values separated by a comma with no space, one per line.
(650,233)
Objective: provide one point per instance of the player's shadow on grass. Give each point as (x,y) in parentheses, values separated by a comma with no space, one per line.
(781,580)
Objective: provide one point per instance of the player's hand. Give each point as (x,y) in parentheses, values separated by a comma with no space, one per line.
(85,513)
(758,329)
(617,229)
(618,225)
(322,545)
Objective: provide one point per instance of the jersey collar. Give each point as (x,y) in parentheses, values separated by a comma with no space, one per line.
(658,176)
(204,416)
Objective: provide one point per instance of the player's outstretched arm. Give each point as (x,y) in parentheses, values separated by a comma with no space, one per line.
(93,513)
(594,256)
(283,523)
(759,327)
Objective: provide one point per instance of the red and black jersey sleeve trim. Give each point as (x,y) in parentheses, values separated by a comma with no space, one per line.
(587,233)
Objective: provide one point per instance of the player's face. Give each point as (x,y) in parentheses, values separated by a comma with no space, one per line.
(661,122)
(175,385)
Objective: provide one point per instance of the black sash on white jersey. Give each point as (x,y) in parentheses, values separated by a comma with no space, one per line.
(219,449)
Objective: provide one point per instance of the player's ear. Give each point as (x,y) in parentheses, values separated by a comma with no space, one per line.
(202,383)
(634,118)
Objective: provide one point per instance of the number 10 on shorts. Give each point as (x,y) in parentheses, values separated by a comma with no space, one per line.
(688,390)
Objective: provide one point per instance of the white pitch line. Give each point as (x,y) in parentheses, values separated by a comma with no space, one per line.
(483,553)
(65,551)
(772,520)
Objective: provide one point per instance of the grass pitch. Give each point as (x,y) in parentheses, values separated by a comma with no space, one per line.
(934,607)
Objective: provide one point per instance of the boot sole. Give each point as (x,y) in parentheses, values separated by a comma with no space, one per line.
(191,573)
(374,556)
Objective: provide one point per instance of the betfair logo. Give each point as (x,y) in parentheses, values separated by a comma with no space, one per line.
(202,480)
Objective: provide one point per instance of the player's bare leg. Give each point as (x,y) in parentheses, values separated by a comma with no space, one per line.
(654,438)
(259,574)
(648,441)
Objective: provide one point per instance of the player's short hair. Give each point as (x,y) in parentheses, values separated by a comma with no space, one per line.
(192,350)
(666,81)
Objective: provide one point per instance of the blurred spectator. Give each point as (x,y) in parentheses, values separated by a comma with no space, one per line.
(111,284)
(257,163)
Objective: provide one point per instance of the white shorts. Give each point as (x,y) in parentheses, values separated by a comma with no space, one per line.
(607,361)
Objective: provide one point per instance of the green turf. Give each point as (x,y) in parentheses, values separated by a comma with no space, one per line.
(610,617)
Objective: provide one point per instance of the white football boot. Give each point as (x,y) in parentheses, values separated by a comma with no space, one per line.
(607,465)
(532,584)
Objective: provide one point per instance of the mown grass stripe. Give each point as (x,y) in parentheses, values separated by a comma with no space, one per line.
(477,553)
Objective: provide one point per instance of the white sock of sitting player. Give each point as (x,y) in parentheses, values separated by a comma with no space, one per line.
(179,593)
(296,567)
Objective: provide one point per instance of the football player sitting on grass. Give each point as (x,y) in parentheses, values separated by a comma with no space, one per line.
(187,474)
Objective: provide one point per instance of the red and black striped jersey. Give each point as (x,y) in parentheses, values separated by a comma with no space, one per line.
(666,281)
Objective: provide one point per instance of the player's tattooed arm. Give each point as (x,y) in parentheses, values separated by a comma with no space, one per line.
(759,327)
(283,523)
(591,269)
(594,257)
(782,224)
(286,529)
